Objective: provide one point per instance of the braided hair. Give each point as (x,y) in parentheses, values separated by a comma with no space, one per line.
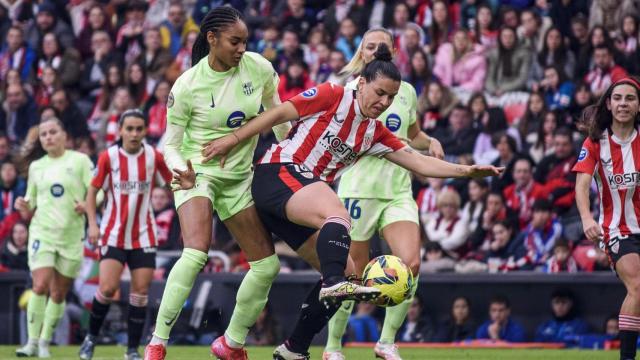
(215,21)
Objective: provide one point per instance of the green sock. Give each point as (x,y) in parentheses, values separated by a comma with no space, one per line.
(395,316)
(252,297)
(35,314)
(177,289)
(52,314)
(338,325)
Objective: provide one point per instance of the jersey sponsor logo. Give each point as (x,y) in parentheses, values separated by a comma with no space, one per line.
(132,187)
(624,181)
(393,122)
(247,88)
(235,119)
(170,100)
(337,119)
(57,190)
(310,93)
(335,146)
(583,154)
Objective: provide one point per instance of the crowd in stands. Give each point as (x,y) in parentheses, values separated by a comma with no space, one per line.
(498,81)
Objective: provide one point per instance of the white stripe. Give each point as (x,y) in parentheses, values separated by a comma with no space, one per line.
(629,168)
(114,160)
(605,153)
(149,154)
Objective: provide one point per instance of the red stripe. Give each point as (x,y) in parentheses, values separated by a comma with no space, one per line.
(635,148)
(275,157)
(289,180)
(124,199)
(607,202)
(360,133)
(142,177)
(114,209)
(343,134)
(618,168)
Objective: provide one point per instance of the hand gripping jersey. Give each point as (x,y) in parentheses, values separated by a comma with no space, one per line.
(128,180)
(614,165)
(331,134)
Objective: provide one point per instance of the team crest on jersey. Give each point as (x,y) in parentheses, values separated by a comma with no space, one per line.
(57,190)
(393,122)
(366,142)
(247,88)
(583,154)
(403,100)
(170,100)
(310,93)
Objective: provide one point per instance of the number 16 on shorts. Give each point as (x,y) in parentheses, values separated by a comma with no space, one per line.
(352,207)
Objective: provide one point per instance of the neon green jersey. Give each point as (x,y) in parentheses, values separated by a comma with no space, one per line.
(210,104)
(378,178)
(55,186)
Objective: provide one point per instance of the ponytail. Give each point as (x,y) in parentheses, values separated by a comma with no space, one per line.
(215,21)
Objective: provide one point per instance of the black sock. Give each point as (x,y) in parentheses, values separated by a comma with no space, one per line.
(313,317)
(135,323)
(628,341)
(98,313)
(333,249)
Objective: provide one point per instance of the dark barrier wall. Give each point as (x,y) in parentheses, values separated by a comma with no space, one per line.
(599,295)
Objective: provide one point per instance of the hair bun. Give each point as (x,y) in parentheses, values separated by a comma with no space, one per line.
(383,53)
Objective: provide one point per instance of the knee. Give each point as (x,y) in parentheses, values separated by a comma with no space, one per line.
(57,296)
(138,299)
(106,292)
(414,265)
(40,288)
(339,216)
(634,289)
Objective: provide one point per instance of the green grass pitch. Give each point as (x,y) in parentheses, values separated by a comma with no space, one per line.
(264,353)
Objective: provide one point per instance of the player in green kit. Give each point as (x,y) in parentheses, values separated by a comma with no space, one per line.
(382,204)
(224,88)
(57,185)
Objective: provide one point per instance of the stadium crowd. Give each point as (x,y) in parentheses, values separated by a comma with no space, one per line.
(500,82)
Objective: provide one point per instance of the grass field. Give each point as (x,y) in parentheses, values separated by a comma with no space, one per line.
(264,353)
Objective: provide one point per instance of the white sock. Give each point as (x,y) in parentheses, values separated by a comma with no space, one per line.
(43,343)
(231,343)
(158,341)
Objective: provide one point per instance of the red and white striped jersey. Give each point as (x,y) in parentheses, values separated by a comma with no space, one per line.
(614,165)
(331,133)
(127,180)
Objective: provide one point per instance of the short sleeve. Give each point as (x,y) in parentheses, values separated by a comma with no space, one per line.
(87,171)
(100,180)
(588,157)
(317,99)
(31,194)
(179,104)
(384,142)
(271,81)
(413,105)
(163,174)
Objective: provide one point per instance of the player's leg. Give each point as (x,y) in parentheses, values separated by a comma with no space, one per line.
(628,269)
(41,277)
(196,219)
(142,265)
(58,289)
(111,266)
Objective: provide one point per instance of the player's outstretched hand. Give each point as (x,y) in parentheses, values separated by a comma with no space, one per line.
(592,230)
(479,171)
(184,180)
(219,147)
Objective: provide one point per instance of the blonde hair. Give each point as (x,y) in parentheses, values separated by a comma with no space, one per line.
(448,197)
(356,65)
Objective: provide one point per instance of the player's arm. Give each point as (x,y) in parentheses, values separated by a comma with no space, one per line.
(591,228)
(421,141)
(27,204)
(90,208)
(431,167)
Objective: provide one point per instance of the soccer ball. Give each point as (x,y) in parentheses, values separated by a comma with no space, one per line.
(391,276)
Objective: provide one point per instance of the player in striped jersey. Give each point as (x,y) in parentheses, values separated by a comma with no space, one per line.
(56,189)
(384,205)
(611,155)
(225,88)
(334,127)
(127,172)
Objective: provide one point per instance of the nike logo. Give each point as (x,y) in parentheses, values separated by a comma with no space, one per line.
(304,306)
(171,321)
(213,104)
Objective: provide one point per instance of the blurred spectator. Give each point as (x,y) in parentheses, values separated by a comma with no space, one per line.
(265,331)
(135,79)
(504,248)
(363,326)
(318,41)
(459,325)
(400,20)
(558,90)
(175,27)
(461,63)
(47,84)
(435,260)
(554,171)
(96,67)
(97,20)
(16,54)
(129,39)
(554,53)
(420,73)
(114,78)
(489,121)
(301,20)
(507,156)
(500,326)
(508,13)
(106,124)
(69,114)
(533,116)
(609,13)
(156,111)
(472,211)
(182,61)
(539,237)
(5,148)
(522,194)
(532,30)
(294,81)
(605,71)
(11,187)
(447,228)
(348,39)
(508,64)
(435,104)
(562,260)
(611,327)
(564,14)
(48,21)
(14,250)
(289,50)
(155,60)
(410,43)
(460,137)
(579,37)
(441,26)
(541,142)
(581,99)
(427,199)
(415,328)
(337,61)
(18,113)
(485,32)
(565,324)
(495,210)
(65,61)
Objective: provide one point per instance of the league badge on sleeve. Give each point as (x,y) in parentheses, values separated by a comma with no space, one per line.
(170,100)
(309,93)
(583,154)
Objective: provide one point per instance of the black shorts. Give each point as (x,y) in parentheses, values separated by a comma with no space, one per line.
(134,258)
(272,187)
(620,246)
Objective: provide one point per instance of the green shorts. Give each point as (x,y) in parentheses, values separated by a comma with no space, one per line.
(228,196)
(371,215)
(65,258)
